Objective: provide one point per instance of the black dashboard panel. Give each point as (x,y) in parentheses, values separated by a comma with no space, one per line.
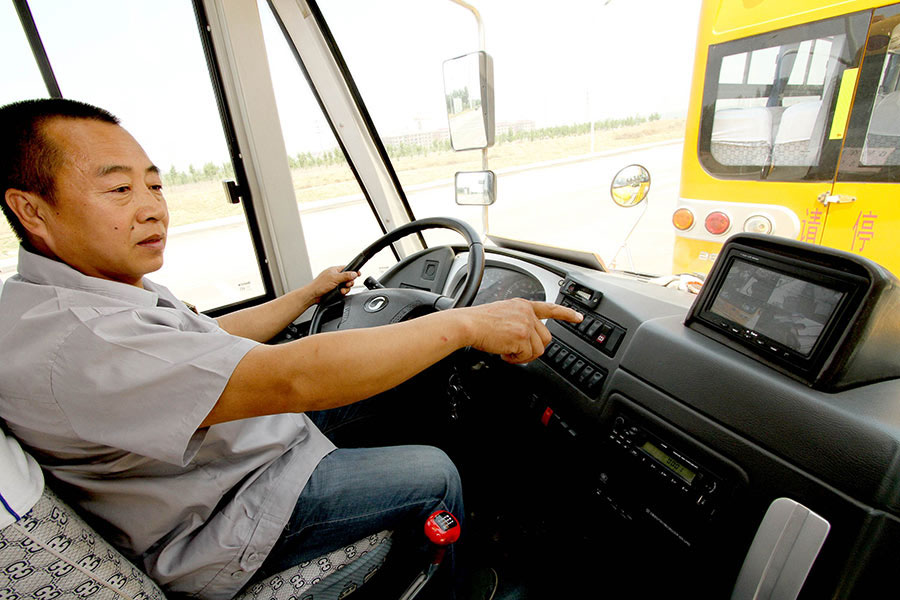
(661,411)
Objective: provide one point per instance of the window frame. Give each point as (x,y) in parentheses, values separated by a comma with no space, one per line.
(829,150)
(851,170)
(39,53)
(320,59)
(240,173)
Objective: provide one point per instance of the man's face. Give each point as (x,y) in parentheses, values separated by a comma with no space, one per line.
(110,217)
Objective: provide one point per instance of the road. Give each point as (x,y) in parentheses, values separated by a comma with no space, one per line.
(565,204)
(569,205)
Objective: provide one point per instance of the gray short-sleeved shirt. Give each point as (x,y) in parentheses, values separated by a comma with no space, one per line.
(106,384)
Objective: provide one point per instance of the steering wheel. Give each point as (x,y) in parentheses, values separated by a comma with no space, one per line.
(379,305)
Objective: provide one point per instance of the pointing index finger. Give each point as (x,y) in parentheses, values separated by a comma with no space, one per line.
(548,310)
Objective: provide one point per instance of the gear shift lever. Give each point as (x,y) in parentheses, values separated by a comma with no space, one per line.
(441,529)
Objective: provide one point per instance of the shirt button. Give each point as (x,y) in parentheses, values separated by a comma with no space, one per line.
(237,574)
(253,557)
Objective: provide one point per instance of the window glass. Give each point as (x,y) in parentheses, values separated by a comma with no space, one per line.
(577,98)
(762,66)
(18,69)
(406,100)
(872,151)
(799,72)
(113,54)
(336,218)
(21,80)
(769,101)
(732,70)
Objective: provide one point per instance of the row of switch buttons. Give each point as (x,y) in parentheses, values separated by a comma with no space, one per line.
(577,369)
(598,331)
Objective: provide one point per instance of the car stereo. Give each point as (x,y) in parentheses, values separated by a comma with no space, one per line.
(822,316)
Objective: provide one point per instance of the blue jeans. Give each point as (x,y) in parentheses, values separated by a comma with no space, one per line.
(355,492)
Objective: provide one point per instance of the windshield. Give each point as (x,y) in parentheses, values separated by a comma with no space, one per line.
(581,91)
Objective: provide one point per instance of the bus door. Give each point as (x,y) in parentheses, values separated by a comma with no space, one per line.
(862,212)
(774,108)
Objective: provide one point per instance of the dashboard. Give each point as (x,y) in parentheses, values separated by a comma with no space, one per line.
(683,439)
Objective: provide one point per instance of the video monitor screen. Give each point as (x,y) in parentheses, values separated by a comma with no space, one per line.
(790,311)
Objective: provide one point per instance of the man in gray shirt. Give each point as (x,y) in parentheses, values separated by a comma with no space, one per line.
(186,435)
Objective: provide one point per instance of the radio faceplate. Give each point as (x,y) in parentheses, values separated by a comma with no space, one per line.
(647,476)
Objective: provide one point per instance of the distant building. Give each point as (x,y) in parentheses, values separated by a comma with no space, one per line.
(514,126)
(427,138)
(418,138)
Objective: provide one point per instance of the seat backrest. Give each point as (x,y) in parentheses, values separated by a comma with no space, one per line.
(883,136)
(795,142)
(742,136)
(52,554)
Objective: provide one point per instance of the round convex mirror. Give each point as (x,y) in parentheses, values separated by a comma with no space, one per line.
(630,186)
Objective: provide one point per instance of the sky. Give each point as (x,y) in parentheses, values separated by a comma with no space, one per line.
(554,63)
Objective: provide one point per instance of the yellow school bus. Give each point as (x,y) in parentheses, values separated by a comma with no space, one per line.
(793,128)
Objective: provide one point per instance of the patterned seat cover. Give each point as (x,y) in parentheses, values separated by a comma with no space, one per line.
(53,554)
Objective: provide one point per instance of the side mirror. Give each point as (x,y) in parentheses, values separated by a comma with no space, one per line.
(469,93)
(475,188)
(630,186)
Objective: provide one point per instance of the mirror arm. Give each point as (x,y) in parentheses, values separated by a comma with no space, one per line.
(478,20)
(624,245)
(484,209)
(484,152)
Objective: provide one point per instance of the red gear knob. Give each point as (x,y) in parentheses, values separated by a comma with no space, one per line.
(442,528)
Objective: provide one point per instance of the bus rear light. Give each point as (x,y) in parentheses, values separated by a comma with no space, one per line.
(683,219)
(758,224)
(717,223)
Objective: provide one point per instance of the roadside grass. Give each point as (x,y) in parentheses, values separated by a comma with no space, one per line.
(205,201)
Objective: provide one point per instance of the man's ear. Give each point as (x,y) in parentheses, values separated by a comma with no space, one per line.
(30,209)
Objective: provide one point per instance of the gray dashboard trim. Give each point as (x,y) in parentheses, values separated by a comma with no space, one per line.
(851,440)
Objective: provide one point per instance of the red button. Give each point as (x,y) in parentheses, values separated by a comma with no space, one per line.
(545,418)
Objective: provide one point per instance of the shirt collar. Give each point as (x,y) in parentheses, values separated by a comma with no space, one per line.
(36,268)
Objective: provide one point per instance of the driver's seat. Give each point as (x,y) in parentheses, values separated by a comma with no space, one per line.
(51,553)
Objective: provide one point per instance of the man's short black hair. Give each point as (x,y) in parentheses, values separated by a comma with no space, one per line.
(29,159)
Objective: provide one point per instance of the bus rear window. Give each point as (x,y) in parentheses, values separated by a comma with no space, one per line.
(769,101)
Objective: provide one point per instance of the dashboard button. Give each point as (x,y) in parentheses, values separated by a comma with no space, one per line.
(430,270)
(593,329)
(561,356)
(578,366)
(596,380)
(605,331)
(552,350)
(568,362)
(585,324)
(585,374)
(614,338)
